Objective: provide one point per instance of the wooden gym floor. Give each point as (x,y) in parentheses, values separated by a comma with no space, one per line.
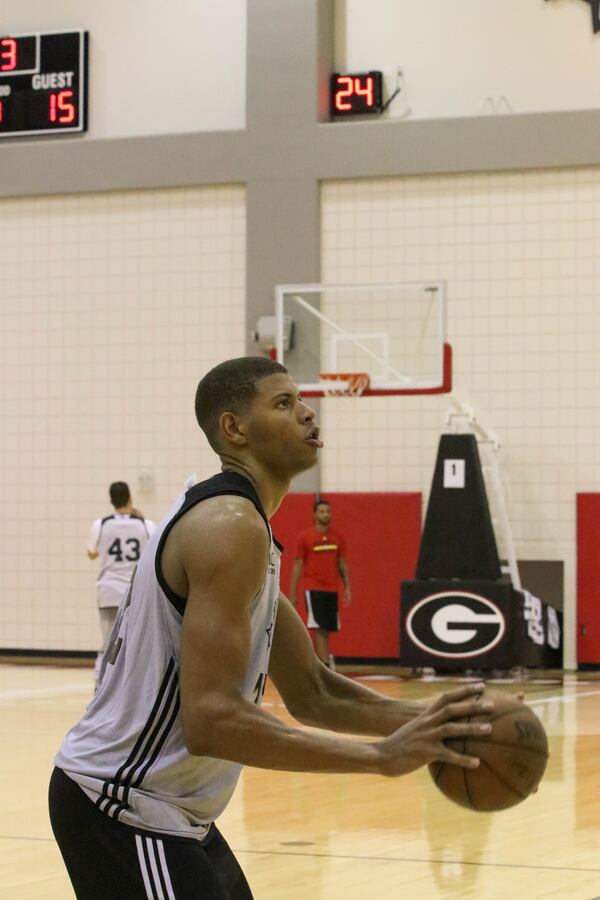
(337,837)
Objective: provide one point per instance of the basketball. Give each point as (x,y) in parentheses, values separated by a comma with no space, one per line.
(513,759)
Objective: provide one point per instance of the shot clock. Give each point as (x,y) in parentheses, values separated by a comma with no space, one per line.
(357,94)
(43,83)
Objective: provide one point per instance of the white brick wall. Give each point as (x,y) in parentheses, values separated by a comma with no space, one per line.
(113,306)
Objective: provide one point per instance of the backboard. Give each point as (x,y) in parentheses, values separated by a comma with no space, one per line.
(395,332)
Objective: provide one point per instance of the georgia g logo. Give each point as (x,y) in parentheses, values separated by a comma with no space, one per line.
(456,624)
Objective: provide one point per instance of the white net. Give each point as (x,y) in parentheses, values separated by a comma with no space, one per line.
(344,384)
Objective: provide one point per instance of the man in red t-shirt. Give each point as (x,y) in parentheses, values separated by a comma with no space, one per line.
(321,553)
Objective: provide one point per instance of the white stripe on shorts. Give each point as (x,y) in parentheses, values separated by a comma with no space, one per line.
(165,870)
(140,852)
(152,880)
(158,861)
(311,622)
(154,870)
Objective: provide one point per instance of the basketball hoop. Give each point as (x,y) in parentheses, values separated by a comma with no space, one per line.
(395,332)
(344,384)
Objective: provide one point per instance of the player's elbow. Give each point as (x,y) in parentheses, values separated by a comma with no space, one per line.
(303,712)
(306,705)
(205,723)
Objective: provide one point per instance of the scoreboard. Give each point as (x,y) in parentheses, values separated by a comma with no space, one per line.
(43,83)
(356,94)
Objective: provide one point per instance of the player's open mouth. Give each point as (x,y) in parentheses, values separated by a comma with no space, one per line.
(312,438)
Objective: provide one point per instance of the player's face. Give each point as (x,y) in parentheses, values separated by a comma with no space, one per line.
(281,428)
(323,514)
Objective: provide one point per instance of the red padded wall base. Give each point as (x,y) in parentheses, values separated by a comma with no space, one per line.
(382,532)
(588,578)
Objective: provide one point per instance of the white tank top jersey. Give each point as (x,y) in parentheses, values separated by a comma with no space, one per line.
(128,752)
(119,540)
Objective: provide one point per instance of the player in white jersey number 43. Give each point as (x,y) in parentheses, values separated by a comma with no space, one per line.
(118,540)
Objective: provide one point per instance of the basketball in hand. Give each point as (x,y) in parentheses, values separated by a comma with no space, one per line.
(513,759)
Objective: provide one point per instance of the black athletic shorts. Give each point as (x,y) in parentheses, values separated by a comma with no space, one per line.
(322,609)
(108,860)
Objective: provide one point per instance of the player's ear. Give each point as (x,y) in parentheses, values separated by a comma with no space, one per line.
(233,428)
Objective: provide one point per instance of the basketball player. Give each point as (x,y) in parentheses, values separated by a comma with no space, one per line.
(154,760)
(321,553)
(118,540)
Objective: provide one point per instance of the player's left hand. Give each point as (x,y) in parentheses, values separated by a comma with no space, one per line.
(347,598)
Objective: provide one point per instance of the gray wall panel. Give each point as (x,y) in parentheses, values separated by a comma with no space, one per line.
(74,166)
(341,150)
(488,143)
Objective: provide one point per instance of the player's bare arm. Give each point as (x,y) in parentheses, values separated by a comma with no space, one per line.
(296,573)
(223,549)
(345,576)
(316,696)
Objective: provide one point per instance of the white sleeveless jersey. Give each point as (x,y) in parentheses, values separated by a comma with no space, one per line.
(128,752)
(119,540)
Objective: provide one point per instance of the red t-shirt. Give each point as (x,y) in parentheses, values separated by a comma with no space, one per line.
(320,553)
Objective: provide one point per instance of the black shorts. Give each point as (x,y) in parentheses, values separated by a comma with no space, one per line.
(322,609)
(107,860)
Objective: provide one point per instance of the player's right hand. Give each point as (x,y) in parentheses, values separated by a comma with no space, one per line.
(421,740)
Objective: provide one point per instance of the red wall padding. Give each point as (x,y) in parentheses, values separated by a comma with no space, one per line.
(588,578)
(382,532)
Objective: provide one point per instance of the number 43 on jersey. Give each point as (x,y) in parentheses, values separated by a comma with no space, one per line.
(130,552)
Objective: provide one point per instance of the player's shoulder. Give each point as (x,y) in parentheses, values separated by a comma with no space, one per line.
(138,519)
(227,516)
(100,522)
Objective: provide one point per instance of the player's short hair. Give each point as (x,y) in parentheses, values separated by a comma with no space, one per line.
(119,494)
(230,387)
(320,502)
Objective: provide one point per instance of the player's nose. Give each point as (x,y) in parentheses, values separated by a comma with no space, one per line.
(307,413)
